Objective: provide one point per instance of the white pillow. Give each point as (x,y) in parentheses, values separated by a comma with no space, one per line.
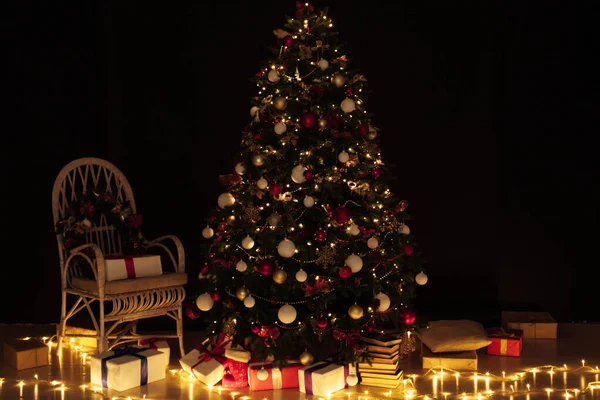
(454,335)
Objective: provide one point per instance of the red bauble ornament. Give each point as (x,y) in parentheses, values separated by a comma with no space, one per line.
(215,296)
(189,312)
(276,189)
(255,328)
(345,272)
(265,267)
(371,328)
(322,323)
(408,249)
(308,120)
(204,269)
(309,175)
(363,129)
(408,316)
(288,41)
(341,215)
(376,172)
(320,235)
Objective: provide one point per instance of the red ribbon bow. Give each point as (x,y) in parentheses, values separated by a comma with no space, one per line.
(150,342)
(351,338)
(217,350)
(320,286)
(269,333)
(87,209)
(302,6)
(340,135)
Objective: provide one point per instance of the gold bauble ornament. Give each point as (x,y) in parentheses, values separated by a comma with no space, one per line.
(338,80)
(355,311)
(279,276)
(274,219)
(307,358)
(322,123)
(242,293)
(280,103)
(258,160)
(372,134)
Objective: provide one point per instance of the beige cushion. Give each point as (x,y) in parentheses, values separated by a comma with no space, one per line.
(167,279)
(454,335)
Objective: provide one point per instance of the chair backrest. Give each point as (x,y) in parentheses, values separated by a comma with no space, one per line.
(80,177)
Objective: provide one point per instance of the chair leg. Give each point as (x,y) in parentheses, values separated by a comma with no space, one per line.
(180,330)
(102,338)
(60,331)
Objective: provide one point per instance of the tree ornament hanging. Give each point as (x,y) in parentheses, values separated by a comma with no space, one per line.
(274,219)
(323,64)
(308,175)
(354,262)
(263,374)
(345,272)
(254,111)
(279,276)
(276,190)
(242,293)
(280,103)
(215,296)
(280,128)
(273,76)
(404,229)
(225,200)
(240,169)
(408,249)
(348,105)
(306,358)
(287,314)
(207,232)
(286,248)
(384,302)
(421,278)
(338,80)
(298,174)
(308,201)
(301,276)
(363,129)
(320,235)
(372,243)
(342,215)
(376,173)
(248,242)
(258,160)
(308,120)
(408,316)
(255,327)
(265,267)
(189,312)
(241,266)
(322,123)
(262,183)
(355,311)
(288,41)
(343,157)
(322,323)
(354,230)
(204,302)
(249,302)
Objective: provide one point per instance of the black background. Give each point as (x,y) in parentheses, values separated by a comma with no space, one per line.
(488,112)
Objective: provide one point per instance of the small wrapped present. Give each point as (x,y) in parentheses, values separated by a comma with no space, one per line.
(461,360)
(535,325)
(130,267)
(207,361)
(324,377)
(126,368)
(236,368)
(157,344)
(277,378)
(25,354)
(505,342)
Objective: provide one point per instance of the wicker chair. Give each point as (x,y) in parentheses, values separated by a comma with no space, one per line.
(121,303)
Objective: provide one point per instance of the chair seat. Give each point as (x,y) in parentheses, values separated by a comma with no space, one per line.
(167,279)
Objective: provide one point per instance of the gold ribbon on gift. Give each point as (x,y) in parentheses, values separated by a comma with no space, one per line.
(503,347)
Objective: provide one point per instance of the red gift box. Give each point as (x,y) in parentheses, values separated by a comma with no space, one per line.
(505,342)
(278,378)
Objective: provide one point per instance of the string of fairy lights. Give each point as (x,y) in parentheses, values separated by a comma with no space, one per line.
(546,381)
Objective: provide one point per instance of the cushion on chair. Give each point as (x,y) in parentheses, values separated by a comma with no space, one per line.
(454,335)
(167,279)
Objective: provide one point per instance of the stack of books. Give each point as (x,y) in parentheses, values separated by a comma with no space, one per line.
(384,368)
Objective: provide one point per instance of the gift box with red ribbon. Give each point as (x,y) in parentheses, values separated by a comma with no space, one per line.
(266,376)
(157,344)
(505,342)
(130,267)
(207,361)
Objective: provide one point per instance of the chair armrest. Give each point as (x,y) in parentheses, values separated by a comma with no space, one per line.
(180,264)
(99,271)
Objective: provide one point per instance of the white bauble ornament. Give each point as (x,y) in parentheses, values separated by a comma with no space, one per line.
(273,76)
(248,242)
(287,314)
(254,110)
(262,183)
(404,229)
(241,266)
(352,380)
(421,278)
(301,275)
(343,157)
(372,243)
(354,230)
(204,302)
(280,128)
(249,302)
(207,232)
(225,200)
(286,248)
(308,201)
(384,301)
(348,105)
(263,374)
(323,64)
(240,169)
(298,173)
(354,262)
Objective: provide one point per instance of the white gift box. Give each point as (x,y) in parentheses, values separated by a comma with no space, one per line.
(130,267)
(157,344)
(323,378)
(117,371)
(208,372)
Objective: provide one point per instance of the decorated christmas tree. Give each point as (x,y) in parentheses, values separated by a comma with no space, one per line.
(308,248)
